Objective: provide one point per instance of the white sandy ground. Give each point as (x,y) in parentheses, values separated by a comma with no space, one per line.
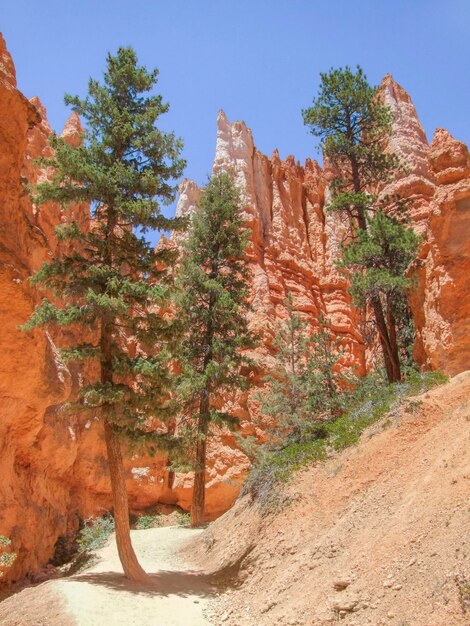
(178,596)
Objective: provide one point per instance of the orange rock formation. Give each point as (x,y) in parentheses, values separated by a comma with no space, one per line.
(438,184)
(53,467)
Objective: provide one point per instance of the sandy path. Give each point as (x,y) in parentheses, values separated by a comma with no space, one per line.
(101,595)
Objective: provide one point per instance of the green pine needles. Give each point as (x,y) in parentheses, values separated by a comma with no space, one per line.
(213,304)
(383,252)
(354,125)
(306,387)
(108,278)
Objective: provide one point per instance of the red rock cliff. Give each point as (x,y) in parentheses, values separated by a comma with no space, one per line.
(438,183)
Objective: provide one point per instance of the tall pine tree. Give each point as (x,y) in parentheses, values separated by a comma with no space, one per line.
(107,278)
(213,286)
(354,125)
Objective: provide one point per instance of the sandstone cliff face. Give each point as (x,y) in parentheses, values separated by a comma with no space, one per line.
(53,467)
(31,378)
(443,295)
(294,243)
(42,495)
(438,184)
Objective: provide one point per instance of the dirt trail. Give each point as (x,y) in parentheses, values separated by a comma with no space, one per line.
(100,595)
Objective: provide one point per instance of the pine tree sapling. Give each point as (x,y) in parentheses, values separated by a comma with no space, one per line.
(306,386)
(107,278)
(213,304)
(353,125)
(329,382)
(287,395)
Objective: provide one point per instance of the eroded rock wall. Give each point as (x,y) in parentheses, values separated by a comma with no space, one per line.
(295,242)
(31,377)
(437,182)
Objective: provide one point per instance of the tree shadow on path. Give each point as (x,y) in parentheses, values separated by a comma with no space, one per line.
(163,583)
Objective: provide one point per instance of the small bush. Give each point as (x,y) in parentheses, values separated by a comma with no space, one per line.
(148,521)
(275,466)
(419,382)
(183,518)
(463,586)
(371,400)
(6,558)
(95,533)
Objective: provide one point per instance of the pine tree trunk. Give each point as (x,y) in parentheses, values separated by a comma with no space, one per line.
(199,489)
(391,360)
(392,331)
(386,335)
(132,570)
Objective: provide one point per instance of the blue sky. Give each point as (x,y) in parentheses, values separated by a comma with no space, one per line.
(259,60)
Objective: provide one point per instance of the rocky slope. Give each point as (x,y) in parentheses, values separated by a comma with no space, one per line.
(378,534)
(54,467)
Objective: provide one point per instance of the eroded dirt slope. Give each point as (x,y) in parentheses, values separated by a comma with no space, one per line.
(379,534)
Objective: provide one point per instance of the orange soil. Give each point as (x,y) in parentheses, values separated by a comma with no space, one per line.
(378,534)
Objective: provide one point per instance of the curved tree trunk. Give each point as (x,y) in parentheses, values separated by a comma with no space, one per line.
(199,489)
(130,565)
(132,569)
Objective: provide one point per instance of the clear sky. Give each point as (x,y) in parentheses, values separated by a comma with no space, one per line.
(259,60)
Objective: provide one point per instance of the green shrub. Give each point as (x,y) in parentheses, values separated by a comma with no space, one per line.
(372,399)
(95,533)
(183,518)
(6,558)
(419,382)
(148,521)
(463,585)
(276,466)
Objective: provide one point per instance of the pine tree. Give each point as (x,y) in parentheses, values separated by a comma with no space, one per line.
(213,306)
(107,278)
(378,259)
(306,386)
(354,125)
(328,383)
(287,395)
